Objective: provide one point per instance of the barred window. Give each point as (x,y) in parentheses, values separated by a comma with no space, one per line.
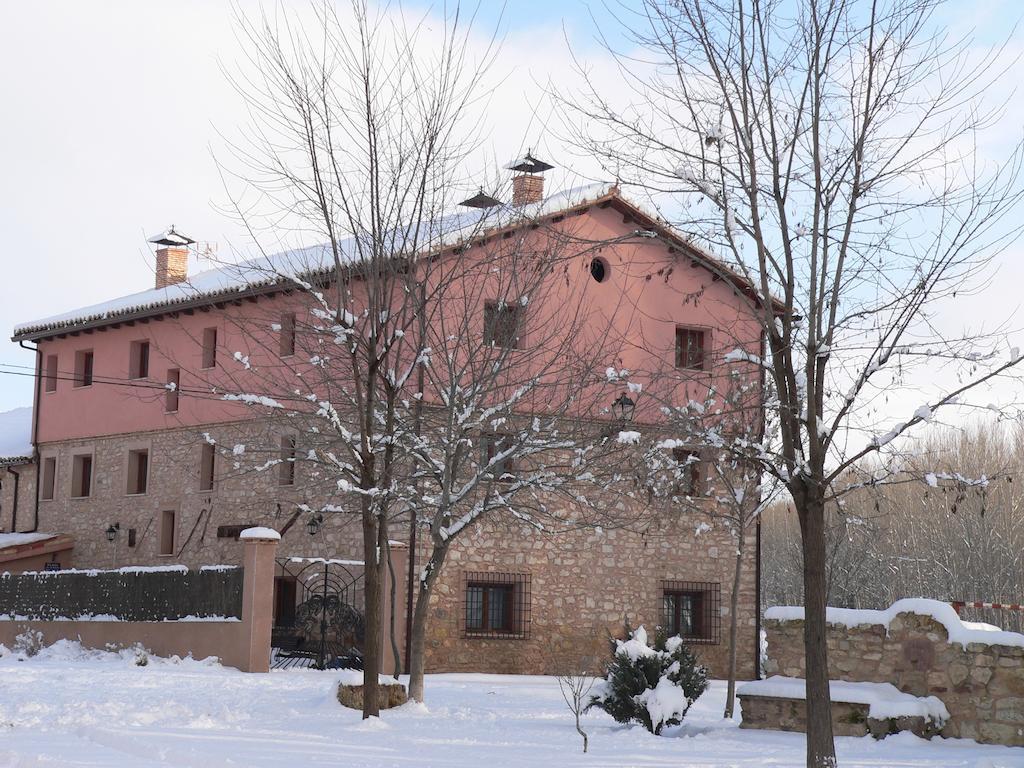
(692,610)
(496,605)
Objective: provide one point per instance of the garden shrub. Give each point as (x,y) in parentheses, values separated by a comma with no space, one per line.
(653,685)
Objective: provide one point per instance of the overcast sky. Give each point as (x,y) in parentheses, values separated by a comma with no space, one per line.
(113,112)
(112,115)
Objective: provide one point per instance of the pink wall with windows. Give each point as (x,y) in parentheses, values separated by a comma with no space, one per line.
(632,316)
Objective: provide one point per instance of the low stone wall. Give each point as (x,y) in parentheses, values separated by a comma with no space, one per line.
(848,718)
(980,682)
(243,643)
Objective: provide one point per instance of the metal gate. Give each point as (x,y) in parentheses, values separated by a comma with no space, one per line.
(318,613)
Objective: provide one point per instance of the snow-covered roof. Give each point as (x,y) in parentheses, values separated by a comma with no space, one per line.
(300,264)
(961,632)
(15,435)
(443,232)
(18,539)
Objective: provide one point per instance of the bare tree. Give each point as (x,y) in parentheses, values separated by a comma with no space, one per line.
(950,532)
(360,123)
(575,688)
(706,463)
(510,421)
(827,149)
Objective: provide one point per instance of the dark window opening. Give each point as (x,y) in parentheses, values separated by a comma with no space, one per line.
(138,471)
(688,475)
(489,607)
(49,477)
(51,373)
(692,610)
(690,348)
(173,385)
(210,348)
(83,368)
(287,466)
(494,445)
(287,335)
(496,605)
(599,269)
(167,526)
(207,465)
(138,362)
(502,324)
(81,476)
(284,601)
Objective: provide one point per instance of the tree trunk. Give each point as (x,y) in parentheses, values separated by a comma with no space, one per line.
(420,615)
(734,601)
(374,599)
(821,750)
(393,615)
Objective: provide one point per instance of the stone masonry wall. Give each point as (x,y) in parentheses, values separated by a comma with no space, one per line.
(583,584)
(981,685)
(241,496)
(26,498)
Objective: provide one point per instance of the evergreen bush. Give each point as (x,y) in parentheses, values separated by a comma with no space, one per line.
(653,685)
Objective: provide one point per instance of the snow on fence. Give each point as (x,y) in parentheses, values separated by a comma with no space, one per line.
(216,611)
(169,593)
(924,649)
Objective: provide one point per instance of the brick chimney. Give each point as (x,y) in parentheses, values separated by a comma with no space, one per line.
(527,188)
(528,184)
(171,257)
(171,266)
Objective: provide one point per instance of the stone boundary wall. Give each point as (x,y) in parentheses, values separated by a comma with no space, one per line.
(242,642)
(129,594)
(981,683)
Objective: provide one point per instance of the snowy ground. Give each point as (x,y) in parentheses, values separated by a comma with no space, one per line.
(67,707)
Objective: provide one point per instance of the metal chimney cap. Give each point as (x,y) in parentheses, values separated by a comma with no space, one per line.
(171,237)
(480,200)
(529,164)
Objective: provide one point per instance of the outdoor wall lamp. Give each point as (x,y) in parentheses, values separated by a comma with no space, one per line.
(623,407)
(112,532)
(313,524)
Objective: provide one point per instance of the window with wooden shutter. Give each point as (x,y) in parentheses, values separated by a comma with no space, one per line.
(690,345)
(503,324)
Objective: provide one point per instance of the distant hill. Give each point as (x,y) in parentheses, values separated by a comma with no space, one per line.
(16,432)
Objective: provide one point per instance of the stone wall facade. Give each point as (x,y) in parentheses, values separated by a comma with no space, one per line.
(576,588)
(17,514)
(242,496)
(582,586)
(982,685)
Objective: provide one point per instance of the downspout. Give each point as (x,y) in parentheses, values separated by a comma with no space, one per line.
(35,430)
(757,591)
(14,506)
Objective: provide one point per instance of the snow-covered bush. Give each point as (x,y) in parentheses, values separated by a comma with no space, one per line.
(141,657)
(654,685)
(29,642)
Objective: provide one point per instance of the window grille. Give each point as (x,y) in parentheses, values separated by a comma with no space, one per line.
(495,605)
(692,610)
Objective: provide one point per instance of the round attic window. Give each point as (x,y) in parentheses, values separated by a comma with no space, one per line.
(599,269)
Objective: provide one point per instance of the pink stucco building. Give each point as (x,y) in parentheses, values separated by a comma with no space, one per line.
(141,460)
